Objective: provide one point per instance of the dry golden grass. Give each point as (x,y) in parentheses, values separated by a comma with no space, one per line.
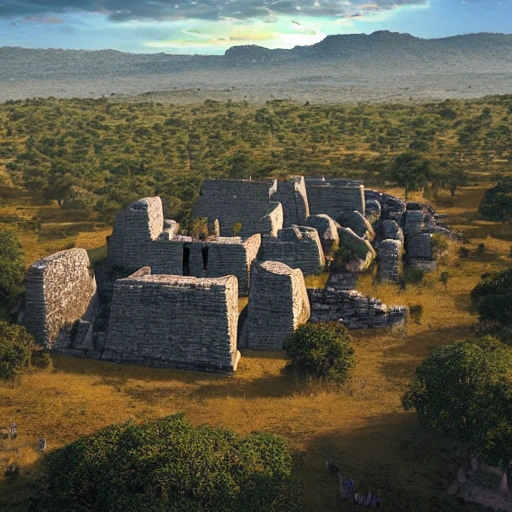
(362,426)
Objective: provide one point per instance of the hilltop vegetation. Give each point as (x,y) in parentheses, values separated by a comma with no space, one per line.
(98,155)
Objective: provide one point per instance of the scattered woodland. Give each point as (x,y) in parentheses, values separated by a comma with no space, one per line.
(66,168)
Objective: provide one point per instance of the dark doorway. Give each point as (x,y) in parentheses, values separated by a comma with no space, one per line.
(186,262)
(204,252)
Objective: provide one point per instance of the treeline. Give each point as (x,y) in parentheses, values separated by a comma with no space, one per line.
(98,155)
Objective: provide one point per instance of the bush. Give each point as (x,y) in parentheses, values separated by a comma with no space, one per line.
(322,350)
(12,268)
(465,390)
(168,465)
(499,283)
(497,201)
(496,307)
(15,350)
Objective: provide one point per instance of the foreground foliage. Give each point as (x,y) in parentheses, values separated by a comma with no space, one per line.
(16,345)
(322,350)
(169,465)
(497,201)
(12,269)
(465,390)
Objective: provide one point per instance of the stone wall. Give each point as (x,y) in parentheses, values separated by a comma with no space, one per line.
(174,321)
(60,290)
(293,197)
(391,207)
(278,304)
(419,246)
(240,201)
(352,308)
(335,197)
(390,253)
(297,247)
(142,221)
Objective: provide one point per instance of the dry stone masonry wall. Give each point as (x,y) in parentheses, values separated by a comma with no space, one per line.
(390,257)
(335,197)
(293,197)
(240,201)
(297,247)
(174,321)
(278,304)
(60,290)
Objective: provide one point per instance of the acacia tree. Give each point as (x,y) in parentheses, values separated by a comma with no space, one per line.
(465,390)
(16,346)
(411,171)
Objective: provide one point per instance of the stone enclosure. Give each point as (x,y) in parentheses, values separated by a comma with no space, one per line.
(178,307)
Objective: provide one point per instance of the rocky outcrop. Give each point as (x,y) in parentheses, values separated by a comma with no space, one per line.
(327,230)
(174,321)
(278,304)
(361,252)
(60,290)
(358,224)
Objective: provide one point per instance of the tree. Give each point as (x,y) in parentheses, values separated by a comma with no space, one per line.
(169,465)
(497,201)
(16,346)
(411,171)
(322,350)
(12,268)
(464,390)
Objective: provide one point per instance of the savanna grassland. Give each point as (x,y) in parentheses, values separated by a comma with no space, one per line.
(66,166)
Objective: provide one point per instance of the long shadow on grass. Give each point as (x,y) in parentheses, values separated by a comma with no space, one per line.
(258,376)
(408,467)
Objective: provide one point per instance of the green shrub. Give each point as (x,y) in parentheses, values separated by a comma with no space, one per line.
(12,268)
(322,350)
(464,390)
(168,465)
(15,350)
(413,275)
(499,283)
(496,307)
(497,201)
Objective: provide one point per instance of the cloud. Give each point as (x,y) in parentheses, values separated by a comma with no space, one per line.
(165,10)
(43,19)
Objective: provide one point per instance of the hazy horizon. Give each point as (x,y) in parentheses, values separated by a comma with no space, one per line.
(209,27)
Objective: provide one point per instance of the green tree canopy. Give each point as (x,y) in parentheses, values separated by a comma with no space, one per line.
(465,390)
(12,268)
(322,350)
(169,465)
(16,346)
(497,201)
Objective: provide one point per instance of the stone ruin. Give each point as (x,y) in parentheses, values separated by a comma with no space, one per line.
(174,321)
(278,304)
(179,307)
(60,299)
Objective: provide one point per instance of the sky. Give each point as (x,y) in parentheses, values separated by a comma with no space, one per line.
(212,26)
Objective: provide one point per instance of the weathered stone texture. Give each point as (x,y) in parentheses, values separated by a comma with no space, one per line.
(335,197)
(278,304)
(414,222)
(60,290)
(293,197)
(297,247)
(352,308)
(240,201)
(390,254)
(419,246)
(142,221)
(391,207)
(174,321)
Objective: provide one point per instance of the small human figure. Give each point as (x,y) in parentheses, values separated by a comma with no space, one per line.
(349,485)
(14,430)
(41,444)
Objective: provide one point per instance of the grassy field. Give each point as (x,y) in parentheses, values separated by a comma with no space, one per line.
(363,427)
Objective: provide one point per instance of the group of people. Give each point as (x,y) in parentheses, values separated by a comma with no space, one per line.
(41,442)
(360,498)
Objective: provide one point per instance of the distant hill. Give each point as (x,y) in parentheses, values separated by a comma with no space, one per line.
(482,61)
